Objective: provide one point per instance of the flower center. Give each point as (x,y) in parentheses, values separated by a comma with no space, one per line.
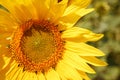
(38,43)
(37,46)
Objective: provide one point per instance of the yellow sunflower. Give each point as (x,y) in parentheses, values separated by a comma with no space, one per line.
(38,40)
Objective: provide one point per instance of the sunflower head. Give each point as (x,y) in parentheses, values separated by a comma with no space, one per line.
(39,40)
(45,45)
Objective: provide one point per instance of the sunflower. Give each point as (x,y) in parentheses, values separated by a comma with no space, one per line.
(38,40)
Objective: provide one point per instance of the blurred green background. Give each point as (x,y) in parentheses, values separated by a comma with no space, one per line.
(105,19)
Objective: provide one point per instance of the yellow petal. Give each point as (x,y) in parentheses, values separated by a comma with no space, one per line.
(7,70)
(84,75)
(42,8)
(5,38)
(28,8)
(7,22)
(52,2)
(12,71)
(18,9)
(21,74)
(83,49)
(25,76)
(4,61)
(30,76)
(94,61)
(77,62)
(77,34)
(67,71)
(70,18)
(81,3)
(41,76)
(52,75)
(4,51)
(15,72)
(63,78)
(56,10)
(74,5)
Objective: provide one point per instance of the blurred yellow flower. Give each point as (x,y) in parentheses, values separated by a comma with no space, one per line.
(38,40)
